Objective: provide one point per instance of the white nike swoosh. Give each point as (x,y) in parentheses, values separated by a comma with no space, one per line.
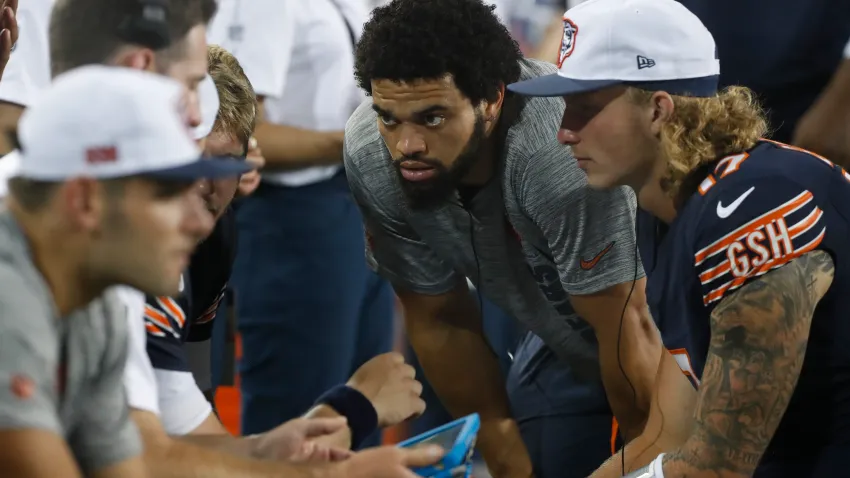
(724,212)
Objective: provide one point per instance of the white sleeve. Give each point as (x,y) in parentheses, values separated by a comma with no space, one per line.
(847,50)
(139,379)
(261,35)
(28,70)
(8,168)
(182,405)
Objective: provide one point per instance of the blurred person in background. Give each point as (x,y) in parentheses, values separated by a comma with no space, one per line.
(528,21)
(103,196)
(303,292)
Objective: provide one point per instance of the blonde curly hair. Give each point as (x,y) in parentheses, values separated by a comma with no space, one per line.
(701,130)
(237,113)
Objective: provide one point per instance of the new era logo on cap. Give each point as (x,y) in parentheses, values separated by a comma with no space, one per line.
(644,62)
(651,44)
(112,122)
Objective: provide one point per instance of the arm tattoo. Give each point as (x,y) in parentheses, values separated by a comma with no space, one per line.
(758,340)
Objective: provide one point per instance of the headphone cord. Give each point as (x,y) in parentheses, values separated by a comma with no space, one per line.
(477,265)
(619,330)
(619,337)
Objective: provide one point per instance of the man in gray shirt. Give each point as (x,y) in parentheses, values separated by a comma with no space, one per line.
(457,178)
(103,196)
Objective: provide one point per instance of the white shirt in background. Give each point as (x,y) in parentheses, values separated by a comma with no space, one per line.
(139,378)
(298,55)
(28,70)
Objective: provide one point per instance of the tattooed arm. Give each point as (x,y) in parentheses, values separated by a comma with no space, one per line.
(758,340)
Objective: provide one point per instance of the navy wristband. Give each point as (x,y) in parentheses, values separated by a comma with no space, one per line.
(356,408)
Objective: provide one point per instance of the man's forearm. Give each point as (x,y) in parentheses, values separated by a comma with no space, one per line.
(132,468)
(290,148)
(630,349)
(242,446)
(629,359)
(465,374)
(167,457)
(179,459)
(212,434)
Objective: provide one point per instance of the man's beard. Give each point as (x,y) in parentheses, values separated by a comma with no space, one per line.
(434,192)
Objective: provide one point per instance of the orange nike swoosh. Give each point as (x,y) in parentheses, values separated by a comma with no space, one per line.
(587,265)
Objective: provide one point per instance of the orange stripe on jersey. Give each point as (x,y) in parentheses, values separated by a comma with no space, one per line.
(173,309)
(706,184)
(773,215)
(795,231)
(806,223)
(153,330)
(158,319)
(730,164)
(774,263)
(615,428)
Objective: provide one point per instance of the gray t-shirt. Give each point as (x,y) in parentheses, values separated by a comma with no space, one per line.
(62,375)
(527,240)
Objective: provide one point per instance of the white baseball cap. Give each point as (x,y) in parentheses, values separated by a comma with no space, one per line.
(657,45)
(208,98)
(111,122)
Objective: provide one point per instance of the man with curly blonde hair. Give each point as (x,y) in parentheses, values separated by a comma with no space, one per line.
(743,257)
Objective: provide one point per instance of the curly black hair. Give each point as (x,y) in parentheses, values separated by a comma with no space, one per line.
(410,40)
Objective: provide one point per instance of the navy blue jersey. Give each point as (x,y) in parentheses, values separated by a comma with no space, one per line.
(172,321)
(752,213)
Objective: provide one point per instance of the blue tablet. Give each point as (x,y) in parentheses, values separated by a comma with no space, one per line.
(457,439)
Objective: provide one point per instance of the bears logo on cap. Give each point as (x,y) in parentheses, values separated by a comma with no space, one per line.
(568,42)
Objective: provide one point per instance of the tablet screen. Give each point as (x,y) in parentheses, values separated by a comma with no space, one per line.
(445,439)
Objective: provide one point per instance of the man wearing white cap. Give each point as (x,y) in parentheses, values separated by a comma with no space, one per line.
(743,250)
(103,196)
(457,178)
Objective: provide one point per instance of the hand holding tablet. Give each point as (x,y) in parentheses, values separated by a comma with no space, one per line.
(457,439)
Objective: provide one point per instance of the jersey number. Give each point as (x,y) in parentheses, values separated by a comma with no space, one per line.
(730,164)
(684,362)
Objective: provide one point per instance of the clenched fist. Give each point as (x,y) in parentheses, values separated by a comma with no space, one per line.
(391,385)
